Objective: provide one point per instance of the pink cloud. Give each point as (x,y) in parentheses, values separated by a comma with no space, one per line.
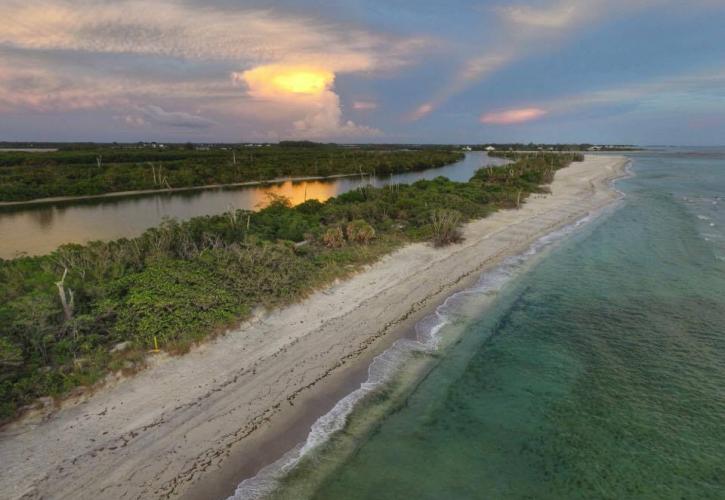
(421,111)
(513,116)
(364,105)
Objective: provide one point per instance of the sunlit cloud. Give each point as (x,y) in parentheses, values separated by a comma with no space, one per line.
(364,105)
(422,110)
(513,116)
(305,92)
(278,80)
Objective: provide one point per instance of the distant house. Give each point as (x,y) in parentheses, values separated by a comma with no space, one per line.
(595,148)
(490,148)
(466,148)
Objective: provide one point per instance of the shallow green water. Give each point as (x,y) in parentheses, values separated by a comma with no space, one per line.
(597,373)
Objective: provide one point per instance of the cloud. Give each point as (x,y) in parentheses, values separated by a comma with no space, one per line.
(473,70)
(364,105)
(513,116)
(156,114)
(275,80)
(556,15)
(526,29)
(422,110)
(175,29)
(326,121)
(706,87)
(36,88)
(678,87)
(131,120)
(305,92)
(120,55)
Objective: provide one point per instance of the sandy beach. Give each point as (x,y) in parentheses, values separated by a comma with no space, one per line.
(194,426)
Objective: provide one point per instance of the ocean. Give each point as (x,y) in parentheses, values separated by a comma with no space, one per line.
(590,366)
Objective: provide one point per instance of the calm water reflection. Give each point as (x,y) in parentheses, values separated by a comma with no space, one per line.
(40,229)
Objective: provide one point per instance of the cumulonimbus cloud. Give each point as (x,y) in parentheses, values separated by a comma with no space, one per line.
(306,92)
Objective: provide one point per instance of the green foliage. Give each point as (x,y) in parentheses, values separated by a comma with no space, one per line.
(170,300)
(180,282)
(359,231)
(99,170)
(333,237)
(11,355)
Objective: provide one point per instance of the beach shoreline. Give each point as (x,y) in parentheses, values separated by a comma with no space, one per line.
(196,426)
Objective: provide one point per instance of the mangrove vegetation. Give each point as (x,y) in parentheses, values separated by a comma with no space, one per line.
(69,318)
(96,170)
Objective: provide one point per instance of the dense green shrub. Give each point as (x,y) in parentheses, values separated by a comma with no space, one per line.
(359,231)
(333,237)
(180,282)
(100,170)
(171,300)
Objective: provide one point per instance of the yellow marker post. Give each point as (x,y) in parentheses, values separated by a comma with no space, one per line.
(156,346)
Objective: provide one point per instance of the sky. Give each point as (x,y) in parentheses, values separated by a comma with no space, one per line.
(388,71)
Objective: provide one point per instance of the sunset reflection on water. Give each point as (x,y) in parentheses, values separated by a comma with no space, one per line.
(295,192)
(39,229)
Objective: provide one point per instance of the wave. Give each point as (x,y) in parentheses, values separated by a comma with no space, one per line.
(384,366)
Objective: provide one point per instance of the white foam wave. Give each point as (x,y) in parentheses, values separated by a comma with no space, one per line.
(385,365)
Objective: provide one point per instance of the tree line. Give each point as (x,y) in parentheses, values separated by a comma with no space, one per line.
(101,170)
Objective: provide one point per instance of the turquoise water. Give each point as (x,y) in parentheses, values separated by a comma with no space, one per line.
(596,371)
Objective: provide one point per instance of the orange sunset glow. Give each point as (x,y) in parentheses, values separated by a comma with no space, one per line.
(280,80)
(295,192)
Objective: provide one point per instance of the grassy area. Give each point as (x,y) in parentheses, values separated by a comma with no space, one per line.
(62,314)
(94,170)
